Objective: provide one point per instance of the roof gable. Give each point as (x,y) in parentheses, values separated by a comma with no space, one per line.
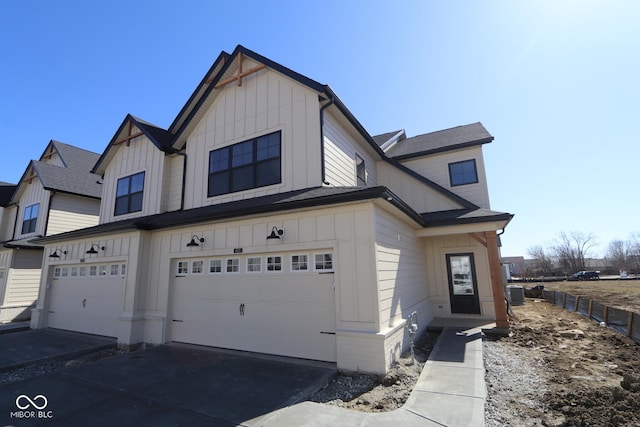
(131,128)
(74,177)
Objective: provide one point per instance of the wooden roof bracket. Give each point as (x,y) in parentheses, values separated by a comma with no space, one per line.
(478,239)
(239,74)
(131,136)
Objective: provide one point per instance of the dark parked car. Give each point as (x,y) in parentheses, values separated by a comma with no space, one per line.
(585,275)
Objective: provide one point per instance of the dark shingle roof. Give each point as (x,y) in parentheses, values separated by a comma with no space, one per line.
(6,192)
(463,216)
(160,137)
(297,199)
(384,137)
(75,180)
(75,158)
(440,141)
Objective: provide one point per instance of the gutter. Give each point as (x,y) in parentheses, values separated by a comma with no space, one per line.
(324,107)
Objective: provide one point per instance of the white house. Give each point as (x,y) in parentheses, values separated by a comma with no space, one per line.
(56,193)
(267,219)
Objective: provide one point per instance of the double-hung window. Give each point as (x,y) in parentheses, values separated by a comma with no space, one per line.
(249,164)
(129,194)
(30,218)
(461,173)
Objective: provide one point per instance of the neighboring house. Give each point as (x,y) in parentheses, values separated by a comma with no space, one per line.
(267,219)
(57,193)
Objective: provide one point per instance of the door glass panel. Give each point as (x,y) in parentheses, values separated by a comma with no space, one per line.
(461,274)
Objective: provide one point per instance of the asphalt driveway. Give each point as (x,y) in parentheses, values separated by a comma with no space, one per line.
(165,386)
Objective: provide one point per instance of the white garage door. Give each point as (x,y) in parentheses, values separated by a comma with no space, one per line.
(87,298)
(275,304)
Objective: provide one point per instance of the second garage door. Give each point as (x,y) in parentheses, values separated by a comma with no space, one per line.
(275,304)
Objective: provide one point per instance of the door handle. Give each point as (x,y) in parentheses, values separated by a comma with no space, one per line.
(241,309)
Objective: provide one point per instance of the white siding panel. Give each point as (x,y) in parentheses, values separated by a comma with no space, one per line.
(436,168)
(141,155)
(32,194)
(7,223)
(172,195)
(266,102)
(340,151)
(401,266)
(416,194)
(71,213)
(22,287)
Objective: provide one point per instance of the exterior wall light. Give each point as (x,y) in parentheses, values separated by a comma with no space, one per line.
(276,233)
(194,241)
(93,250)
(56,253)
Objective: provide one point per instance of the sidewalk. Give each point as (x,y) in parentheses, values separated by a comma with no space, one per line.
(451,391)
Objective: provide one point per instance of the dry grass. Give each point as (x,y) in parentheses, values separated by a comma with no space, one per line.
(622,294)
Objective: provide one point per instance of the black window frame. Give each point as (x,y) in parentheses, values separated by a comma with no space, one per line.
(29,223)
(462,179)
(225,178)
(361,172)
(129,196)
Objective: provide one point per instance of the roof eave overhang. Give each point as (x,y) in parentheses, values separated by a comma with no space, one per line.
(465,226)
(443,149)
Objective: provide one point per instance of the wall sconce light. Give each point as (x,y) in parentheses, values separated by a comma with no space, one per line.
(93,250)
(56,253)
(194,241)
(276,233)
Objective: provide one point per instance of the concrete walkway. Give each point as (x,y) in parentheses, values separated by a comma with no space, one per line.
(450,392)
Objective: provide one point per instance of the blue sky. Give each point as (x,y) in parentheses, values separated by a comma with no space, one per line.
(556,83)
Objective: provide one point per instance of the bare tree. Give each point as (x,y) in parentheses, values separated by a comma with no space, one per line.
(543,262)
(572,249)
(618,253)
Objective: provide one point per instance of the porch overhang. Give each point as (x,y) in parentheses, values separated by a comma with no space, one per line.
(445,230)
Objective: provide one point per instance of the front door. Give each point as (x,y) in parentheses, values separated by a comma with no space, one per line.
(463,288)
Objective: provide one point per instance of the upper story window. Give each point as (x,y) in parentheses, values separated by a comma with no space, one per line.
(129,194)
(461,173)
(30,218)
(361,172)
(249,164)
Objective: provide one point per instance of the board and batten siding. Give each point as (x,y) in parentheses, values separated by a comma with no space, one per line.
(401,268)
(141,155)
(172,184)
(70,212)
(32,194)
(55,159)
(415,193)
(436,168)
(345,231)
(437,277)
(7,223)
(266,102)
(340,153)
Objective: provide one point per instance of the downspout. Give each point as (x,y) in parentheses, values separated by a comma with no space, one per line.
(184,177)
(46,221)
(324,107)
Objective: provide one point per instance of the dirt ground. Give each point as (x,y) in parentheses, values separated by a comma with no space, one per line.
(622,294)
(558,368)
(373,393)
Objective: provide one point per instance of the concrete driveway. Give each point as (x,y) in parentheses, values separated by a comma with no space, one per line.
(170,385)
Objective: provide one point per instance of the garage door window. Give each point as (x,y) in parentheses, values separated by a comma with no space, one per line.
(65,272)
(215,266)
(103,270)
(82,271)
(254,264)
(74,271)
(93,270)
(324,262)
(56,272)
(233,265)
(299,262)
(274,263)
(183,268)
(197,267)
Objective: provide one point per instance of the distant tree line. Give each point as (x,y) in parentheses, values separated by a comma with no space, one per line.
(570,252)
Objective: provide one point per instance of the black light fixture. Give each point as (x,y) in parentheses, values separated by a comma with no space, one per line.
(56,253)
(193,243)
(276,233)
(93,250)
